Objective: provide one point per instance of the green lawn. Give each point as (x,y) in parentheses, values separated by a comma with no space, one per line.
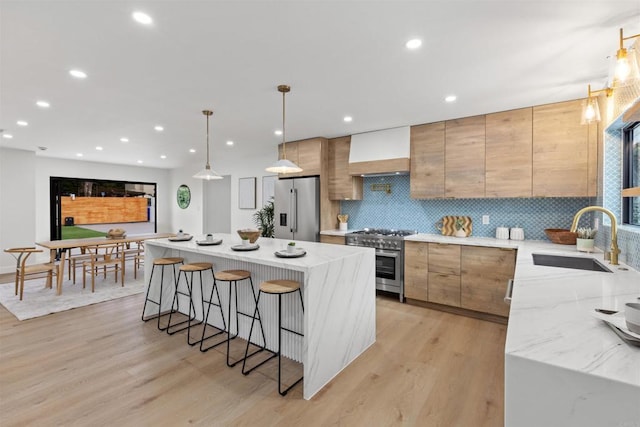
(74,232)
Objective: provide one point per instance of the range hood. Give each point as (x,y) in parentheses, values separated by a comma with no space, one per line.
(380,152)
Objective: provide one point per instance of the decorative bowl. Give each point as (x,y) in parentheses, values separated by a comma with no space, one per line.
(116,233)
(249,233)
(632,316)
(561,236)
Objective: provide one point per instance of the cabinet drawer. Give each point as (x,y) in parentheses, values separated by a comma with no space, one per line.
(336,240)
(444,259)
(444,289)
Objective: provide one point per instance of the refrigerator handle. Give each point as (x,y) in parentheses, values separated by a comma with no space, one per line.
(294,210)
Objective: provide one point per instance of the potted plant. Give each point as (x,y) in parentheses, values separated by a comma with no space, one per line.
(460,231)
(585,240)
(263,218)
(291,247)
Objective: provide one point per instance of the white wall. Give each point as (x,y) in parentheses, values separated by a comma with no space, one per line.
(17,203)
(229,162)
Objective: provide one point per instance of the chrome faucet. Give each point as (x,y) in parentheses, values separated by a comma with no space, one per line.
(614,230)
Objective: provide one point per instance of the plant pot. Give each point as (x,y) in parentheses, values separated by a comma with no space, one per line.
(460,233)
(585,245)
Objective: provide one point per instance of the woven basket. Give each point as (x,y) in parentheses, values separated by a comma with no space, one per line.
(561,236)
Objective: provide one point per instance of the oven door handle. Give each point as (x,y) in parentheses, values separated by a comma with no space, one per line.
(393,254)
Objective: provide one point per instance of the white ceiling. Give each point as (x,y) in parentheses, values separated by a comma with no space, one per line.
(340,58)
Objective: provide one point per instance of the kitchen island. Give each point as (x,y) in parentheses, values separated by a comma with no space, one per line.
(564,366)
(338,287)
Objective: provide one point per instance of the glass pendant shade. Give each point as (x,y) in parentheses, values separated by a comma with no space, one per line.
(590,111)
(626,70)
(207,173)
(283,165)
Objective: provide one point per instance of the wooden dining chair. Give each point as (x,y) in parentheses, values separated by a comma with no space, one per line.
(104,258)
(23,270)
(76,260)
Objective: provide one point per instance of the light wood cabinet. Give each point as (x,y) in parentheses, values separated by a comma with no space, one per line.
(464,157)
(560,151)
(416,256)
(342,186)
(508,160)
(427,161)
(307,154)
(444,274)
(485,273)
(336,240)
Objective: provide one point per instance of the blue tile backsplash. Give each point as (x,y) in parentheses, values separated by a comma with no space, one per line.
(397,210)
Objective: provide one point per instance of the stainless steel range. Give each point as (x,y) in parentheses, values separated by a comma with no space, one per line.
(389,245)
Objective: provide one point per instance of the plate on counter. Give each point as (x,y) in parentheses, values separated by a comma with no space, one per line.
(295,254)
(245,248)
(617,323)
(184,238)
(208,242)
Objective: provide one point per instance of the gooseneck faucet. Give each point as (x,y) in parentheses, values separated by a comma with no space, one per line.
(614,229)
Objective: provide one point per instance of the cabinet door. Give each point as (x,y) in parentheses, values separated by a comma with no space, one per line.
(464,157)
(310,156)
(342,186)
(444,289)
(427,161)
(560,151)
(415,270)
(444,258)
(336,240)
(508,153)
(485,273)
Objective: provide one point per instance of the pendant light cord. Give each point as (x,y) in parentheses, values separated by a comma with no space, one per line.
(284,144)
(208,166)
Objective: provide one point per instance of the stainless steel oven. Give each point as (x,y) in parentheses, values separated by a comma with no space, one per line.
(389,246)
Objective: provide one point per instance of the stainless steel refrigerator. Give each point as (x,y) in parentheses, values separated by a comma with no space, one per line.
(297,209)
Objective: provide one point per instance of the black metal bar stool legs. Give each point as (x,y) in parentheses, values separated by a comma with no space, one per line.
(279,288)
(232,277)
(162,263)
(196,267)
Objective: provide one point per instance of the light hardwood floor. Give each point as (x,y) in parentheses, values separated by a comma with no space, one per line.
(100,365)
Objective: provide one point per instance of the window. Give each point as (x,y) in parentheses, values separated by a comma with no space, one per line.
(631,175)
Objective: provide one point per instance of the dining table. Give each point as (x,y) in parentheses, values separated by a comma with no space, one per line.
(58,249)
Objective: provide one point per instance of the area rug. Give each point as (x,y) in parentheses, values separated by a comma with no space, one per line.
(40,301)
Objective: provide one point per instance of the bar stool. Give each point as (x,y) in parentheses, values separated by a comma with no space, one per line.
(279,288)
(232,277)
(161,262)
(195,267)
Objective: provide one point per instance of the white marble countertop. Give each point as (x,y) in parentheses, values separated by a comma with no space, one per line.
(317,253)
(551,319)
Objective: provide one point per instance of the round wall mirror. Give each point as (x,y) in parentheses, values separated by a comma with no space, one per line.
(184,196)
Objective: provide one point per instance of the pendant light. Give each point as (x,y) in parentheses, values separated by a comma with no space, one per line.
(590,109)
(207,173)
(626,69)
(283,165)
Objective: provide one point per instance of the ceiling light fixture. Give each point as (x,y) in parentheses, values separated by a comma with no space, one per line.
(22,123)
(78,154)
(78,74)
(124,139)
(43,104)
(192,150)
(99,148)
(7,135)
(278,132)
(207,173)
(139,161)
(450,98)
(142,18)
(159,128)
(413,44)
(283,165)
(590,109)
(348,119)
(229,143)
(626,62)
(163,157)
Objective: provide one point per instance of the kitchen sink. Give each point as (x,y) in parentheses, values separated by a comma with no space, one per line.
(579,263)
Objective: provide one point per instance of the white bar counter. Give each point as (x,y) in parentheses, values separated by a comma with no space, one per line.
(338,287)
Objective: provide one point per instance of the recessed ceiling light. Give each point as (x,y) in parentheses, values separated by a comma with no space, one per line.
(7,135)
(191,150)
(159,128)
(163,156)
(142,18)
(139,161)
(78,154)
(99,148)
(124,139)
(78,74)
(450,98)
(413,44)
(22,123)
(43,104)
(278,132)
(348,119)
(229,143)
